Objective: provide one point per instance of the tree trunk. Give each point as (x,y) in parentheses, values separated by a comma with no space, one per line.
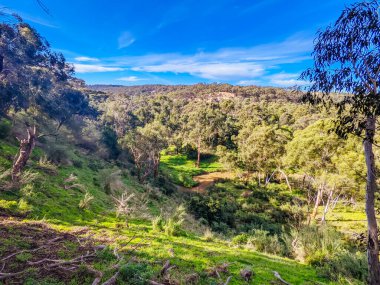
(157,166)
(371,188)
(25,150)
(316,205)
(199,153)
(327,205)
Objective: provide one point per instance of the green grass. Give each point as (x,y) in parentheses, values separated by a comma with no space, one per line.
(348,219)
(194,255)
(58,207)
(180,169)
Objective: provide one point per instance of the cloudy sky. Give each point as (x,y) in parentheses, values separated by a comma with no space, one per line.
(260,42)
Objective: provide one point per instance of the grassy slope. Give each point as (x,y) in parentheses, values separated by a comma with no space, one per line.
(59,209)
(181,170)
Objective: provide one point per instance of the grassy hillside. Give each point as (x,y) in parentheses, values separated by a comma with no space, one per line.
(48,209)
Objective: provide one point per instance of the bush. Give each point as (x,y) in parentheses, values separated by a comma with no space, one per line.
(24,207)
(158,224)
(5,128)
(9,207)
(262,241)
(345,265)
(46,165)
(77,163)
(57,155)
(241,239)
(208,235)
(314,244)
(135,273)
(86,201)
(172,226)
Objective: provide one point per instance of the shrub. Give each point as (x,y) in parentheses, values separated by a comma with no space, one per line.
(262,241)
(5,128)
(24,207)
(173,225)
(9,207)
(46,165)
(314,244)
(77,163)
(86,201)
(135,273)
(241,239)
(208,235)
(345,265)
(57,154)
(158,224)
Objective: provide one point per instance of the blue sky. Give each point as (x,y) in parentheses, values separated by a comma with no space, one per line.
(260,42)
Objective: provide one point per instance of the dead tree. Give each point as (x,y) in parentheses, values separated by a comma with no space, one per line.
(25,150)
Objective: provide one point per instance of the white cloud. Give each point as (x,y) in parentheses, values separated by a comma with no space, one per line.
(286,79)
(251,65)
(125,39)
(131,79)
(208,70)
(90,68)
(86,58)
(248,82)
(223,64)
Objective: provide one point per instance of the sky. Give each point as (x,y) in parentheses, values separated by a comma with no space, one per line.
(125,42)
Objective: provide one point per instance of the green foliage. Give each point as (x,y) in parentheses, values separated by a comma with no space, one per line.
(24,256)
(262,241)
(345,265)
(109,139)
(9,207)
(314,244)
(135,273)
(173,225)
(86,201)
(158,224)
(240,239)
(5,128)
(24,207)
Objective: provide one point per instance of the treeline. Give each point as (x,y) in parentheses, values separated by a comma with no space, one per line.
(201,90)
(264,141)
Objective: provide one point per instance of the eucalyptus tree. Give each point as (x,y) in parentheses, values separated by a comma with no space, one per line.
(347,61)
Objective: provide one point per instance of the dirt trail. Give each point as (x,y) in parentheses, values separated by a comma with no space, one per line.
(208,179)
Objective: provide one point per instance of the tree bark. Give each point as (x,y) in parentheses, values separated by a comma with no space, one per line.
(327,205)
(199,153)
(157,166)
(371,188)
(316,205)
(26,147)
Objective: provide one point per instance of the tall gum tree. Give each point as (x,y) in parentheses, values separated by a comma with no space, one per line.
(346,75)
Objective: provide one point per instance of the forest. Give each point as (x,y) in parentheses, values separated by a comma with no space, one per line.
(191,184)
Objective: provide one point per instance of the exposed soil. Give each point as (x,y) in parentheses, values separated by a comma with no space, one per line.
(209,179)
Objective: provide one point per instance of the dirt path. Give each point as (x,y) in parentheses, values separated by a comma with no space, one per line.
(208,179)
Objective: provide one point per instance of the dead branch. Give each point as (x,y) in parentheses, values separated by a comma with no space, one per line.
(151,282)
(30,250)
(278,276)
(113,279)
(228,280)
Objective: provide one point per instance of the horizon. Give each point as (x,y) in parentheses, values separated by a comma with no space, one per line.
(265,43)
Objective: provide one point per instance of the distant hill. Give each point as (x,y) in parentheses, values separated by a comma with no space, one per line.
(214,91)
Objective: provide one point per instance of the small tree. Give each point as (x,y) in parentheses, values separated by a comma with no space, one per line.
(347,61)
(145,144)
